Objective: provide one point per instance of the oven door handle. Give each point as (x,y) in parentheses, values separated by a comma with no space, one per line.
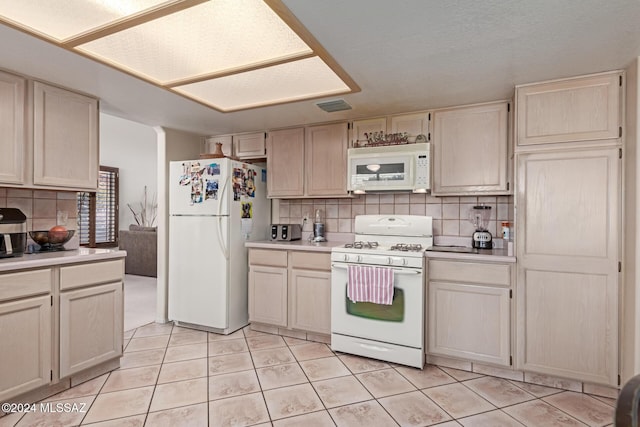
(396,270)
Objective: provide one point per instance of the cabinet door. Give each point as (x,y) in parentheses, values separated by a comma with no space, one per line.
(578,109)
(470,150)
(326,160)
(268,295)
(249,145)
(12,128)
(91,327)
(568,230)
(470,322)
(65,138)
(412,124)
(226,141)
(25,333)
(310,301)
(285,163)
(360,127)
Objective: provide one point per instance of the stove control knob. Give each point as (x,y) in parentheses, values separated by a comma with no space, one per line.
(346,257)
(359,258)
(389,260)
(404,262)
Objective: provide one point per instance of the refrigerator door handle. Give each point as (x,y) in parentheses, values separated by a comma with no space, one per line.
(224,248)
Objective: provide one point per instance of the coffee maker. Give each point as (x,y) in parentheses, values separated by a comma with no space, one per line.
(318,228)
(13,232)
(479,216)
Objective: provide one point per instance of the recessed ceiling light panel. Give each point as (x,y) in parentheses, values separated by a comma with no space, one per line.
(63,19)
(307,78)
(207,38)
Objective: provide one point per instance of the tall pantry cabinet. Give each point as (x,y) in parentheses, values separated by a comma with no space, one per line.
(568,226)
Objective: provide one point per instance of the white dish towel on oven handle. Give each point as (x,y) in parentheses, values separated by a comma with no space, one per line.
(370,284)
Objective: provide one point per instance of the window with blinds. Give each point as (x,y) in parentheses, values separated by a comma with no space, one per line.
(98,212)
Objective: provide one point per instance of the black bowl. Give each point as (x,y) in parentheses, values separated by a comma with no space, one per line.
(54,240)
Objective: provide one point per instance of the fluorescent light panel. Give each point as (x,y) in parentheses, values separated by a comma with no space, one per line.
(60,20)
(207,38)
(307,78)
(228,54)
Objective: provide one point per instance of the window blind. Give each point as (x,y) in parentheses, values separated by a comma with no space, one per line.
(98,212)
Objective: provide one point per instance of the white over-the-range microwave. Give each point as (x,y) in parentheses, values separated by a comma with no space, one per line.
(390,168)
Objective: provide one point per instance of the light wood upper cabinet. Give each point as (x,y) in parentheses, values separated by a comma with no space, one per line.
(326,160)
(470,150)
(469,318)
(226,141)
(413,124)
(285,163)
(578,109)
(25,333)
(568,228)
(65,138)
(249,145)
(12,128)
(360,127)
(308,162)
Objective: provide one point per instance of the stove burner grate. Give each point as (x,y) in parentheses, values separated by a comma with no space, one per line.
(406,247)
(362,245)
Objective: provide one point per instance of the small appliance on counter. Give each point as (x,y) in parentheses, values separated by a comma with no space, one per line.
(13,232)
(318,228)
(479,216)
(286,232)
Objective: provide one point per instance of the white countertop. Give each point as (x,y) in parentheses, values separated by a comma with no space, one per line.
(296,245)
(48,259)
(491,255)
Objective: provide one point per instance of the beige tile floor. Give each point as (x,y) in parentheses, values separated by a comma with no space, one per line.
(171,376)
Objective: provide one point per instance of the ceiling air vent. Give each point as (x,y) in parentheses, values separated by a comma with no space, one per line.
(332,106)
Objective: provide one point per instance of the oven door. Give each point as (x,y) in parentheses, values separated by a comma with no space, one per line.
(400,323)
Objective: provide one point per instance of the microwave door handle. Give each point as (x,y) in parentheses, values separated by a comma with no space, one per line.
(396,270)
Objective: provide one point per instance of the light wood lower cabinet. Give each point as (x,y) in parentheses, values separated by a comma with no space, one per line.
(268,295)
(91,327)
(36,304)
(310,301)
(290,289)
(469,311)
(25,352)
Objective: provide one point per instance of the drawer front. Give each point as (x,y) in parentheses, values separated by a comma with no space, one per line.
(470,272)
(268,257)
(25,283)
(310,260)
(75,276)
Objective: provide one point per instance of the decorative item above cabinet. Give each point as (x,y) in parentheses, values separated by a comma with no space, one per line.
(240,146)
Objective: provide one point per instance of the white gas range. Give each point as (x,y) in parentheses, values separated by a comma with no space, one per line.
(391,332)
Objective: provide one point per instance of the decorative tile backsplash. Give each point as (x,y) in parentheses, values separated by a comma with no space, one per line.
(41,207)
(449,213)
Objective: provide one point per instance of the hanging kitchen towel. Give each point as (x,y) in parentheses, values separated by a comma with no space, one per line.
(370,284)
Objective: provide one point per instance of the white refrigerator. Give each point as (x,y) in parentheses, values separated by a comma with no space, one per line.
(215,206)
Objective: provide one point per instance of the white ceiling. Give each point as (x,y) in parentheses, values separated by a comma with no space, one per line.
(406,55)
